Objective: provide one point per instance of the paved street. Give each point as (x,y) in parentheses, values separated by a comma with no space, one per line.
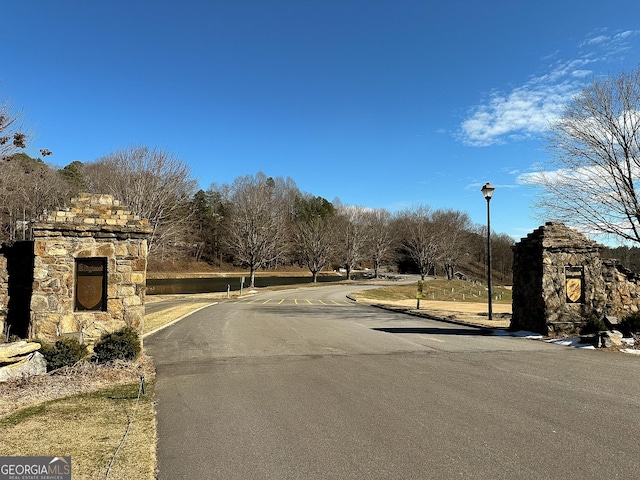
(304,384)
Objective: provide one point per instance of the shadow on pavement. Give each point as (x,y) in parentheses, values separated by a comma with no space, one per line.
(436,331)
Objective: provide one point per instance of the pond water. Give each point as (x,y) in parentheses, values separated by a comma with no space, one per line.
(163,286)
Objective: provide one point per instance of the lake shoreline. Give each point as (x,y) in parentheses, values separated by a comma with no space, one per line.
(238,274)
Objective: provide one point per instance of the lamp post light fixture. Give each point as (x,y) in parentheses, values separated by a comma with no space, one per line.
(487,191)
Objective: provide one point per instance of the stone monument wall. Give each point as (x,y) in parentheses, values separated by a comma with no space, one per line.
(622,287)
(89,274)
(560,282)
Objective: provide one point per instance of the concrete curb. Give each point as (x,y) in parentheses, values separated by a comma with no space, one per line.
(409,311)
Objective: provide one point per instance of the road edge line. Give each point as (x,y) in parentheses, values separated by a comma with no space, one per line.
(177,320)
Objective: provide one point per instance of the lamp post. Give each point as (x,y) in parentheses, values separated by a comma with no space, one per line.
(487,191)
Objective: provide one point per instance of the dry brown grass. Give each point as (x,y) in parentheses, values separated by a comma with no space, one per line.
(457,300)
(440,290)
(84,412)
(156,320)
(82,378)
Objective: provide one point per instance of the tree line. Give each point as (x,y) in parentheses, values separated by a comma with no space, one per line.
(263,222)
(255,222)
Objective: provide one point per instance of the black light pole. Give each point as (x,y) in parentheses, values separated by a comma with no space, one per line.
(487,192)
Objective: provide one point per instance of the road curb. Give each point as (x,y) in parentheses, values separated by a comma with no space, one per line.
(431,316)
(177,320)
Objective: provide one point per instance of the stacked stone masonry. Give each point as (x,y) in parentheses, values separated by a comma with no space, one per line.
(551,261)
(93,227)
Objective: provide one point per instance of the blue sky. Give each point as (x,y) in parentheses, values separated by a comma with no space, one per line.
(384,104)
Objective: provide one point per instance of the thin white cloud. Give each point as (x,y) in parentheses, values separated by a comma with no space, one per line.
(528,110)
(540,177)
(625,34)
(595,40)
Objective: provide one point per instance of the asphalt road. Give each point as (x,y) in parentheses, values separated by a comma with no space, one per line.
(304,384)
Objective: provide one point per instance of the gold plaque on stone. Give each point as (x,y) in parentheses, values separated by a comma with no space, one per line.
(575,284)
(574,289)
(91,285)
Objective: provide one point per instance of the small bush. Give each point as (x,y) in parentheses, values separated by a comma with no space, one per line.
(593,324)
(630,324)
(123,344)
(64,353)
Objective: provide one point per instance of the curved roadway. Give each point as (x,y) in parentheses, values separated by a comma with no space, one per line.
(306,384)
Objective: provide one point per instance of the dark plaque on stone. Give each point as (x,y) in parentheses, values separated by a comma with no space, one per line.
(91,284)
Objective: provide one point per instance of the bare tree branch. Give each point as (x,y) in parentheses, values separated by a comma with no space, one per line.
(596,153)
(420,238)
(256,227)
(153,183)
(352,236)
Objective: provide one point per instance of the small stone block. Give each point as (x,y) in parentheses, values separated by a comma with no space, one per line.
(611,321)
(77,335)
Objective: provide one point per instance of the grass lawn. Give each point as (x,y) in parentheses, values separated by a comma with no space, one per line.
(109,433)
(439,290)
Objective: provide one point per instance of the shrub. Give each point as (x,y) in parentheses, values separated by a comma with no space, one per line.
(123,344)
(630,324)
(593,324)
(64,353)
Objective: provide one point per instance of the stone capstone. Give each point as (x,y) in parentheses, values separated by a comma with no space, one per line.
(32,364)
(15,351)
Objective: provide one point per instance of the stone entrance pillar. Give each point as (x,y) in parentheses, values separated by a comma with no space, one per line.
(557,281)
(89,275)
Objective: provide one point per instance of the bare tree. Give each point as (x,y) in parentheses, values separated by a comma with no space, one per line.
(28,187)
(420,238)
(285,194)
(352,235)
(314,244)
(452,230)
(595,145)
(381,237)
(502,257)
(153,183)
(313,233)
(12,136)
(256,224)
